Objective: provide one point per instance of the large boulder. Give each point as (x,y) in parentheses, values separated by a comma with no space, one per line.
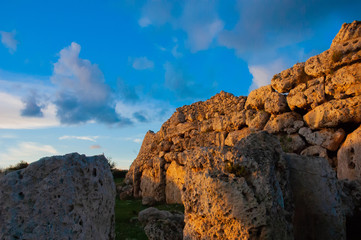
(345,50)
(328,138)
(347,32)
(345,82)
(266,98)
(288,122)
(238,193)
(60,197)
(307,95)
(161,224)
(335,113)
(317,200)
(290,78)
(349,157)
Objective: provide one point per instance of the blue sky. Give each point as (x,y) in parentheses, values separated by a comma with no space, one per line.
(94,76)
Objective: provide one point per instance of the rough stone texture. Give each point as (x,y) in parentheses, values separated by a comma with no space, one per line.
(349,157)
(238,193)
(351,197)
(289,78)
(307,95)
(265,98)
(235,136)
(292,143)
(345,82)
(327,138)
(152,183)
(257,98)
(60,197)
(288,122)
(174,183)
(316,151)
(347,32)
(275,103)
(334,113)
(316,194)
(162,225)
(337,56)
(256,120)
(200,124)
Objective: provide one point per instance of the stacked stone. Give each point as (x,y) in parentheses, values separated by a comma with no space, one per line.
(314,108)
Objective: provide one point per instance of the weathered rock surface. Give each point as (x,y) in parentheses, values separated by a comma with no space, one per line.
(288,122)
(60,197)
(257,98)
(265,98)
(307,95)
(292,143)
(345,82)
(335,113)
(349,157)
(316,194)
(235,136)
(311,108)
(347,32)
(174,183)
(256,120)
(239,193)
(290,78)
(327,138)
(162,225)
(345,50)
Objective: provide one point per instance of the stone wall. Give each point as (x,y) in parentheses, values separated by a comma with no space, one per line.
(311,108)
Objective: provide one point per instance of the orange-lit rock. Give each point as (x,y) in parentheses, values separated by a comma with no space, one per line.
(349,157)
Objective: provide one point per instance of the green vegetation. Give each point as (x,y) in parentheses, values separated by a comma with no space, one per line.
(18,166)
(127,225)
(238,170)
(285,142)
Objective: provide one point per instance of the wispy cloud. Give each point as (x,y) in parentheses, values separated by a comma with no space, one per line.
(142,63)
(262,74)
(83,95)
(25,151)
(85,138)
(178,81)
(198,19)
(95,147)
(137,140)
(9,41)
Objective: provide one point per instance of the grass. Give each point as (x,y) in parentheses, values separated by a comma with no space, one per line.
(127,226)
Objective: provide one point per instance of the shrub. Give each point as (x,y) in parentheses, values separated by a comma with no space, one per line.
(238,170)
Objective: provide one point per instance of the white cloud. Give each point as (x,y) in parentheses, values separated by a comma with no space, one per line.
(83,95)
(95,147)
(144,22)
(262,74)
(9,41)
(10,108)
(175,52)
(152,110)
(201,23)
(85,138)
(199,19)
(25,151)
(142,63)
(137,140)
